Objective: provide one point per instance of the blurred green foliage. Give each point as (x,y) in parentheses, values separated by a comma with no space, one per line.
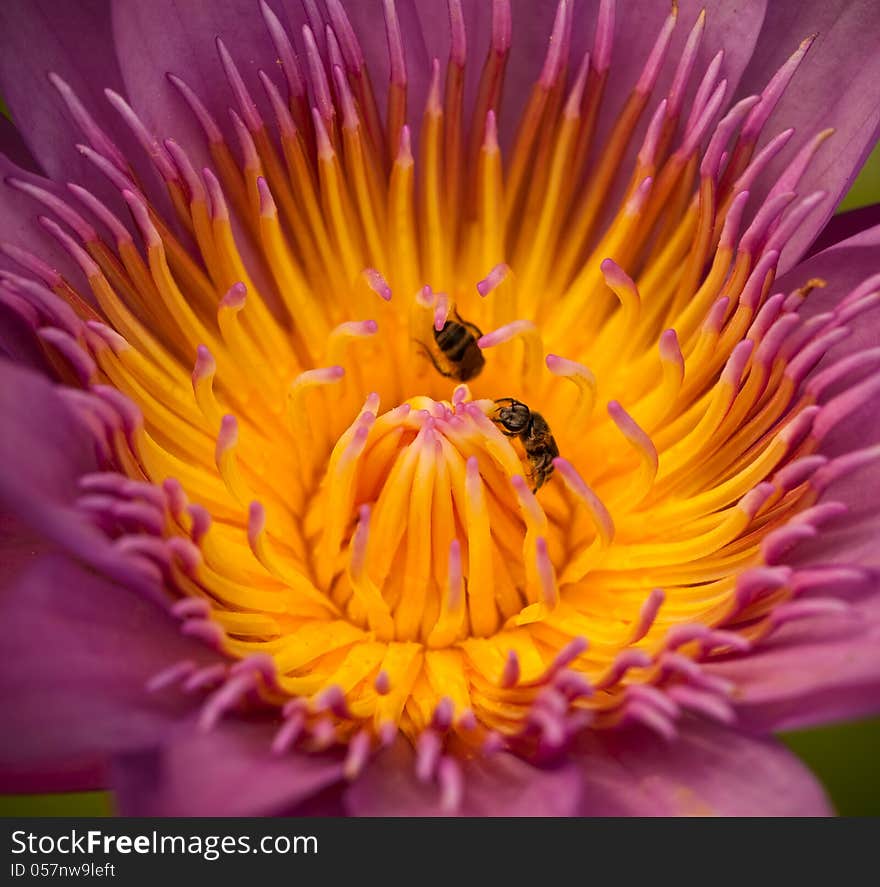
(843,756)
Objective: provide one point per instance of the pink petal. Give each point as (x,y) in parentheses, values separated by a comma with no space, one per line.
(837,85)
(500,785)
(229,771)
(708,770)
(78,651)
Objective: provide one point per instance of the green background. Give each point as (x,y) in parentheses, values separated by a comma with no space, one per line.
(843,756)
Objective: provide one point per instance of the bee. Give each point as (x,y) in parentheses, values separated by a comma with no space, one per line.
(517,420)
(457,342)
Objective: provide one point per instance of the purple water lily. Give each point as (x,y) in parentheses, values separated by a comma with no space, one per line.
(427,408)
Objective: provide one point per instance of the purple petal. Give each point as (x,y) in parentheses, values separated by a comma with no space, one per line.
(73,40)
(78,651)
(179,37)
(845,225)
(500,785)
(19,227)
(827,666)
(20,547)
(13,146)
(43,448)
(837,85)
(229,771)
(707,771)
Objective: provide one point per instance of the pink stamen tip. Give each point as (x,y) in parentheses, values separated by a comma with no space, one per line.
(404,150)
(764,219)
(174,496)
(762,159)
(493,279)
(31,263)
(633,433)
(773,92)
(794,220)
(546,573)
(80,256)
(713,158)
(209,633)
(603,41)
(289,733)
(119,231)
(99,140)
(441,311)
(694,134)
(647,614)
(119,179)
(798,472)
(648,152)
(147,140)
(615,275)
(82,228)
(443,714)
(777,544)
(510,674)
(333,50)
(502,26)
(637,202)
(490,134)
(382,684)
(706,87)
(256,521)
(670,349)
(428,751)
(219,209)
(575,98)
(754,287)
(235,298)
(460,395)
(83,365)
(348,42)
(733,370)
(242,96)
(250,157)
(754,500)
(228,436)
(433,105)
(318,78)
(205,677)
(224,699)
(357,755)
(623,662)
(279,107)
(653,65)
(206,121)
(267,204)
(457,34)
(451,784)
(554,60)
(170,676)
(395,44)
(732,222)
(186,170)
(505,333)
(350,119)
(284,48)
(686,63)
(377,284)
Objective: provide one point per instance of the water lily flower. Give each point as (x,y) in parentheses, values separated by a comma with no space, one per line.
(416,407)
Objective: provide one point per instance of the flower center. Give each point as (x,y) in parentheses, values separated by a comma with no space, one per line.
(422,537)
(633,450)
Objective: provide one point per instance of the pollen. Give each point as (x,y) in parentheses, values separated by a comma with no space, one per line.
(288,442)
